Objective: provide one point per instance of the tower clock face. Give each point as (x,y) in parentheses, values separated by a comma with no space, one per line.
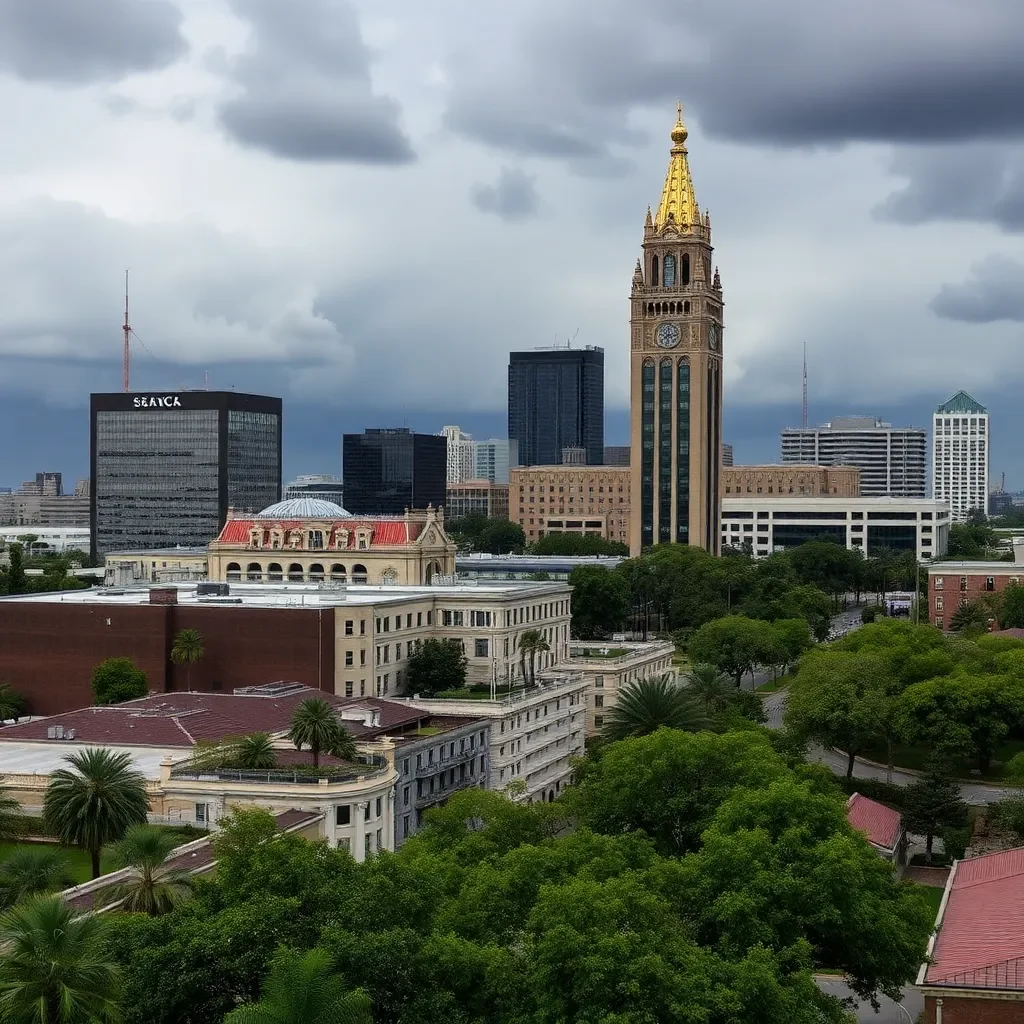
(668,335)
(713,337)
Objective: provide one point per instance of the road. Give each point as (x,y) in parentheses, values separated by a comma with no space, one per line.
(888,1011)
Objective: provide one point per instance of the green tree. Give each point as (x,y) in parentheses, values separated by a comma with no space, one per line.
(531,643)
(600,601)
(95,801)
(711,687)
(187,649)
(12,703)
(29,871)
(302,989)
(435,665)
(576,544)
(1010,607)
(829,566)
(792,640)
(10,812)
(154,887)
(315,725)
(255,752)
(734,644)
(117,680)
(932,803)
(15,578)
(55,968)
(655,702)
(501,537)
(970,617)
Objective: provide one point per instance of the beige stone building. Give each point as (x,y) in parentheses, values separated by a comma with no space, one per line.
(308,540)
(787,480)
(571,499)
(607,668)
(477,497)
(167,565)
(676,370)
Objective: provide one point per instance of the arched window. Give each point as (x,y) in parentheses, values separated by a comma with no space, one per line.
(654,270)
(234,571)
(669,274)
(316,573)
(295,573)
(686,306)
(274,572)
(338,574)
(389,577)
(650,307)
(686,268)
(359,573)
(254,572)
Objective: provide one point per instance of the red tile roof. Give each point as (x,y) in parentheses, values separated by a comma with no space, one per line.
(980,937)
(882,825)
(384,532)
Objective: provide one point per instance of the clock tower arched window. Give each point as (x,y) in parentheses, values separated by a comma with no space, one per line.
(686,268)
(669,275)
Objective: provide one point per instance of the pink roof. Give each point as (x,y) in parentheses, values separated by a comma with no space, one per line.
(384,532)
(980,936)
(882,825)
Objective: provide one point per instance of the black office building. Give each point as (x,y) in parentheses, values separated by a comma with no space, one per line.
(166,467)
(387,471)
(556,401)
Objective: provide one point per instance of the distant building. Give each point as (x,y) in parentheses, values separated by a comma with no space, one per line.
(786,480)
(477,497)
(165,468)
(726,454)
(616,455)
(42,502)
(951,584)
(50,484)
(882,826)
(494,458)
(960,451)
(461,457)
(319,487)
(390,470)
(571,499)
(556,401)
(892,460)
(999,503)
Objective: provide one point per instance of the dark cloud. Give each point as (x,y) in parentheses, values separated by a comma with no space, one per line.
(75,41)
(992,292)
(304,89)
(513,197)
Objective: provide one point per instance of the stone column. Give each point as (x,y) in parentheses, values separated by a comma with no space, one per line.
(359,831)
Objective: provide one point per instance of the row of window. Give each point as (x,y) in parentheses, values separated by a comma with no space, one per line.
(990,582)
(343,812)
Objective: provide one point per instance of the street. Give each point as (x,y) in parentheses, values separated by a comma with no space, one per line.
(888,1012)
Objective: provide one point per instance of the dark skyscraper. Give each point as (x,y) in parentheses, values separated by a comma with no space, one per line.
(556,401)
(165,468)
(387,471)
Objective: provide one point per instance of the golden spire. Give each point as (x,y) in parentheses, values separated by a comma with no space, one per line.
(678,204)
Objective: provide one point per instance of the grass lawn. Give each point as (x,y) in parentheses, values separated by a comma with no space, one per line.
(915,757)
(932,895)
(79,867)
(474,694)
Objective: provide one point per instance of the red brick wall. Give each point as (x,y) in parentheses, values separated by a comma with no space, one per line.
(977,588)
(956,1010)
(48,650)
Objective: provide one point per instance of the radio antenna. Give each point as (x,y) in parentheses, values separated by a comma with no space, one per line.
(126,327)
(804,409)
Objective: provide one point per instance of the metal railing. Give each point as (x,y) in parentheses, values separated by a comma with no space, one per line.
(307,775)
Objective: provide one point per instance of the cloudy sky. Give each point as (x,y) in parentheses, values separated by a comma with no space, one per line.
(363,205)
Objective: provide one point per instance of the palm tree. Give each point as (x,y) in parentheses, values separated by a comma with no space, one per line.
(12,703)
(154,887)
(531,643)
(712,687)
(95,801)
(10,811)
(300,989)
(55,969)
(315,725)
(255,752)
(646,705)
(186,650)
(32,870)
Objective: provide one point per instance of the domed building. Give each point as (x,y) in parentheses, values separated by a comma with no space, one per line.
(308,540)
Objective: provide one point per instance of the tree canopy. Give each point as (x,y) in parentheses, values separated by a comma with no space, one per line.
(118,679)
(435,665)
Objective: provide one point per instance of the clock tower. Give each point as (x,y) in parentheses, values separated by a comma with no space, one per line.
(676,371)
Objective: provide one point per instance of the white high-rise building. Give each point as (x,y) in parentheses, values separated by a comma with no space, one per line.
(494,457)
(960,448)
(461,455)
(892,460)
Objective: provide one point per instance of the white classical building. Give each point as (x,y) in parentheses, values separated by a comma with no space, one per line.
(960,450)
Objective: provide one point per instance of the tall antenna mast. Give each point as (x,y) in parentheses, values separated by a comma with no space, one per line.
(804,410)
(127,338)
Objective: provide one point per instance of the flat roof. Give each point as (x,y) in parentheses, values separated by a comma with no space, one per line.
(832,500)
(533,563)
(298,595)
(991,568)
(156,552)
(42,758)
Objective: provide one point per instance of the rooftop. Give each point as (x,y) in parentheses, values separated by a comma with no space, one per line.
(882,825)
(979,939)
(299,595)
(962,402)
(304,508)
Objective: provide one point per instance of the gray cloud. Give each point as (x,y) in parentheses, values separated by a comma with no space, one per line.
(304,89)
(513,197)
(99,40)
(993,292)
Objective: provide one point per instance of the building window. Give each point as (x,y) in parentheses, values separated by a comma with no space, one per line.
(349,658)
(367,845)
(202,814)
(599,700)
(963,582)
(939,621)
(405,796)
(378,807)
(598,721)
(938,603)
(342,814)
(348,687)
(938,582)
(990,583)
(598,681)
(405,827)
(349,627)
(366,811)
(480,648)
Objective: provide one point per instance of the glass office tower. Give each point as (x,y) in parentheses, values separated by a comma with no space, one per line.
(387,471)
(165,468)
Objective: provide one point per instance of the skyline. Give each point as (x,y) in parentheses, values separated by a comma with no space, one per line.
(257,174)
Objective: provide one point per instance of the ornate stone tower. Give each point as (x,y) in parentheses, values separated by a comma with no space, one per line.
(676,371)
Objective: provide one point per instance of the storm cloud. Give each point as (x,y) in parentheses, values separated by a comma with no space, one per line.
(512,197)
(992,293)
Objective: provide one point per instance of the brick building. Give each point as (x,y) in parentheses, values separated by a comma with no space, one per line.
(815,481)
(571,499)
(951,584)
